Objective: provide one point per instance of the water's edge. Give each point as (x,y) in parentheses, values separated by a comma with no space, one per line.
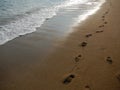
(30,21)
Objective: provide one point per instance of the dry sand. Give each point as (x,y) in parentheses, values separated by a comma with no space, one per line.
(87,60)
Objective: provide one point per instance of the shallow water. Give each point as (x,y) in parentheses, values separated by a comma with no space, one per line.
(20,17)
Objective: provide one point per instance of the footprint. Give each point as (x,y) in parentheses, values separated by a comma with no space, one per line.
(99,31)
(88,35)
(105,22)
(79,55)
(68,79)
(103,16)
(102,48)
(87,87)
(101,26)
(83,44)
(118,77)
(78,58)
(103,19)
(106,12)
(109,60)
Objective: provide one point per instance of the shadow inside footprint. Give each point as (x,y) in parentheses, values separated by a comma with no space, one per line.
(99,31)
(68,79)
(88,35)
(78,58)
(103,16)
(106,12)
(105,22)
(101,26)
(109,60)
(87,87)
(80,55)
(103,19)
(83,44)
(118,77)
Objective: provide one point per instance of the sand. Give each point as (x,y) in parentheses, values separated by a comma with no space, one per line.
(91,54)
(88,59)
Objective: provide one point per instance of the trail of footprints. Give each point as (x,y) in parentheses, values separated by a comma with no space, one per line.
(83,44)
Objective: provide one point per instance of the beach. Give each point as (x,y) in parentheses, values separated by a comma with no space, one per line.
(87,59)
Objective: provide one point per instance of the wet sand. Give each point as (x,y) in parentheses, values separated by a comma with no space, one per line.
(87,60)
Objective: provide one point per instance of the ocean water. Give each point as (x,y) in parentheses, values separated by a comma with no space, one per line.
(20,17)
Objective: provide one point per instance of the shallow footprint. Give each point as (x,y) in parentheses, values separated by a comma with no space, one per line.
(103,16)
(101,26)
(106,12)
(87,87)
(118,77)
(68,79)
(105,22)
(78,58)
(83,44)
(88,35)
(109,60)
(103,19)
(99,31)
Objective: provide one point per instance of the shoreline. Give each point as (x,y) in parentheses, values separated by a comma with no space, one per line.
(88,59)
(10,26)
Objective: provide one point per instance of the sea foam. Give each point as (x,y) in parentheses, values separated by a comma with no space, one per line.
(29,22)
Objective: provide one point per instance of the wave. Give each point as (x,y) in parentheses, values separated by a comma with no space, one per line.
(31,20)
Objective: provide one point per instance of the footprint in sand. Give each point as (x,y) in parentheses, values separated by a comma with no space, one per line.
(78,58)
(99,31)
(83,44)
(105,22)
(103,16)
(88,35)
(106,12)
(109,60)
(101,26)
(87,87)
(68,79)
(118,77)
(103,19)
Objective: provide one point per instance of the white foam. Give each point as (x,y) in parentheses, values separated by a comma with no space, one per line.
(72,2)
(25,25)
(81,18)
(29,23)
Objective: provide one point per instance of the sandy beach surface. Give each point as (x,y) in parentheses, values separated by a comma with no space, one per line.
(88,59)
